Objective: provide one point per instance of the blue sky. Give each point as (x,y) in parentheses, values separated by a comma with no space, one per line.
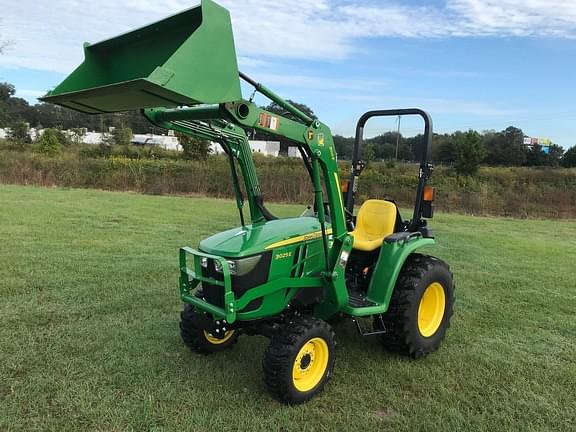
(482,64)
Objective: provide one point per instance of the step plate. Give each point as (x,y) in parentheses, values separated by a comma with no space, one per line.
(358,300)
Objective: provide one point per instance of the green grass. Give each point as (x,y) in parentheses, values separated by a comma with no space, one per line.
(89,335)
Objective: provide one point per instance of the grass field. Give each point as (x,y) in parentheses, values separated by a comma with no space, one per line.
(89,329)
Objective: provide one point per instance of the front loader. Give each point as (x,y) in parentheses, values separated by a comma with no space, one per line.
(281,278)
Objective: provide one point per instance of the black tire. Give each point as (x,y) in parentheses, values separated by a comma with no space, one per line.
(404,334)
(302,343)
(199,340)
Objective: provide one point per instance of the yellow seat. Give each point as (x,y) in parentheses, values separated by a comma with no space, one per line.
(376,220)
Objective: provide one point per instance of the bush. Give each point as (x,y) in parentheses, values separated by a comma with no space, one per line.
(19,132)
(470,152)
(49,143)
(122,136)
(194,148)
(520,191)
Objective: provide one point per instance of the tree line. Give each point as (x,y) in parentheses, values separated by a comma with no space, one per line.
(465,150)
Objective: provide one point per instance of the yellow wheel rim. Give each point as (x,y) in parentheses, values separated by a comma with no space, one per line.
(310,364)
(431,310)
(217,341)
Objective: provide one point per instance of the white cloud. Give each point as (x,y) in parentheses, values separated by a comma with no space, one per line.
(393,20)
(556,18)
(47,35)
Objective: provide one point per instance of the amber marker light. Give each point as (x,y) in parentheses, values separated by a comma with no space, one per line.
(429,193)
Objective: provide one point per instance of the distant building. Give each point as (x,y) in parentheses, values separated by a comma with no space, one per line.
(267,148)
(294,152)
(32,133)
(167,142)
(92,138)
(216,148)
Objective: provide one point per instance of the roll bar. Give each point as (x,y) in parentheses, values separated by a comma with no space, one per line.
(425,165)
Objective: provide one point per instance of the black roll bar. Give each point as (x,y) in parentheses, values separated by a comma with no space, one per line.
(425,165)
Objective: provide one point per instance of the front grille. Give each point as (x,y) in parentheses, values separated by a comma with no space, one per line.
(214,294)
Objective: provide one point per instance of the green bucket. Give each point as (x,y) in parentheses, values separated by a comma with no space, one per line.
(186,59)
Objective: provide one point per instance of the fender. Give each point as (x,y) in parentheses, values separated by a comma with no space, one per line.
(393,254)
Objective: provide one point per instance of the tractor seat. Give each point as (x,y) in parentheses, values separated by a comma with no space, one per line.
(376,219)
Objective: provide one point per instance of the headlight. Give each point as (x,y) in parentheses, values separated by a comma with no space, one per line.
(204,262)
(218,266)
(239,267)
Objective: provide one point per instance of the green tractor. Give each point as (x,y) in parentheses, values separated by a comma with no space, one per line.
(282,278)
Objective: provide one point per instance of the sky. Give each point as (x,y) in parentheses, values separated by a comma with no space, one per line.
(480,64)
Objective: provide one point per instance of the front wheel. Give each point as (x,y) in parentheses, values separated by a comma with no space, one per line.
(200,340)
(420,308)
(299,360)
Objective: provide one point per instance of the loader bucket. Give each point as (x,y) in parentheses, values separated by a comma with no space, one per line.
(185,59)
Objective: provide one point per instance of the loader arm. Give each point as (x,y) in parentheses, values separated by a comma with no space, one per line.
(183,73)
(227,124)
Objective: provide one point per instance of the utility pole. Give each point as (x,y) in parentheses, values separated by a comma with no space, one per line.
(398,137)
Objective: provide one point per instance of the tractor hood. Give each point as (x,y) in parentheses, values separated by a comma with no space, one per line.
(255,239)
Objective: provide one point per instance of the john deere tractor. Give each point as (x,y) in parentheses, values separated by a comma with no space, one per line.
(287,278)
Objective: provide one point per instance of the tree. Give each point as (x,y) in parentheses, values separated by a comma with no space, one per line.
(64,137)
(343,146)
(444,148)
(536,156)
(368,152)
(569,158)
(48,142)
(469,153)
(385,146)
(122,135)
(12,109)
(385,151)
(506,147)
(415,146)
(555,154)
(19,132)
(6,93)
(77,135)
(193,148)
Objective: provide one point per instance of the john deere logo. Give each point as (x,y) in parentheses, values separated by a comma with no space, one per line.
(310,135)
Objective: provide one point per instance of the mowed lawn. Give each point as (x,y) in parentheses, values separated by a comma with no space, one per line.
(89,328)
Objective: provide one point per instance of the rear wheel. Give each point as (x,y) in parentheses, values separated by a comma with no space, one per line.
(200,340)
(299,360)
(420,308)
